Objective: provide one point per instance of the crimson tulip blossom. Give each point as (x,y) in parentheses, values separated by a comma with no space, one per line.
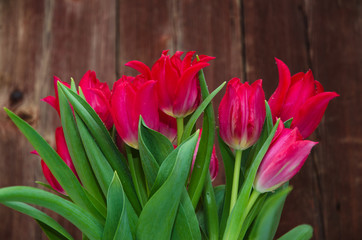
(242,113)
(135,96)
(299,97)
(63,152)
(98,96)
(284,158)
(177,81)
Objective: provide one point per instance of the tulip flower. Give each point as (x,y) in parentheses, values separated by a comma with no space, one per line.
(132,97)
(214,163)
(284,158)
(177,81)
(62,150)
(242,114)
(98,96)
(299,97)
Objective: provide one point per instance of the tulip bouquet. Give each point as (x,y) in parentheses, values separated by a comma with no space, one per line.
(129,162)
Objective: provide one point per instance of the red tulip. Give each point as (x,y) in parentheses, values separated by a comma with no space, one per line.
(132,97)
(177,81)
(299,97)
(284,158)
(242,114)
(98,96)
(214,163)
(62,150)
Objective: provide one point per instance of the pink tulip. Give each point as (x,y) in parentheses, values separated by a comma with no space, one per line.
(177,81)
(242,114)
(284,158)
(299,97)
(62,150)
(214,163)
(132,97)
(98,96)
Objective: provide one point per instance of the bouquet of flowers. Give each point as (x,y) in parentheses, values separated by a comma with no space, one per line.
(129,162)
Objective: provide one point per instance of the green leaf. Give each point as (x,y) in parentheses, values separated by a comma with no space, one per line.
(210,209)
(228,160)
(186,224)
(42,218)
(83,220)
(267,222)
(235,221)
(153,148)
(192,121)
(57,166)
(202,161)
(50,232)
(98,162)
(288,123)
(163,205)
(301,232)
(76,149)
(105,143)
(116,212)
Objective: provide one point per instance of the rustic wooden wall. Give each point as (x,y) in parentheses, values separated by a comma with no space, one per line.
(39,39)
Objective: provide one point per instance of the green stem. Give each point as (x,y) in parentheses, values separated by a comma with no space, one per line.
(254,196)
(180,129)
(235,187)
(212,218)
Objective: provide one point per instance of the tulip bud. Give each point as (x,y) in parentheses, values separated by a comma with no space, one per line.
(299,97)
(242,114)
(284,158)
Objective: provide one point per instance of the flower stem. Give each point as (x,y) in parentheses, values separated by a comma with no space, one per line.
(254,196)
(235,187)
(180,129)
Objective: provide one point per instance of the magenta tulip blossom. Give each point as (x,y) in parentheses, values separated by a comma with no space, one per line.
(284,158)
(63,152)
(242,114)
(177,81)
(98,96)
(299,97)
(135,96)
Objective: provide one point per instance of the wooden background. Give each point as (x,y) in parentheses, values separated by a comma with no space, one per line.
(42,38)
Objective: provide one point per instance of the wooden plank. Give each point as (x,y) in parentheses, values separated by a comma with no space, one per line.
(278,29)
(39,39)
(336,54)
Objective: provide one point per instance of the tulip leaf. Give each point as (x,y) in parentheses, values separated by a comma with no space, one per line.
(153,149)
(288,123)
(267,222)
(192,121)
(76,149)
(83,220)
(57,166)
(41,217)
(101,168)
(301,232)
(210,209)
(254,211)
(186,224)
(105,143)
(228,160)
(163,205)
(117,220)
(235,221)
(50,232)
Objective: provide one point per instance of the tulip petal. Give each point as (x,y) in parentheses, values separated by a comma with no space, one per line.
(50,178)
(277,99)
(140,67)
(310,114)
